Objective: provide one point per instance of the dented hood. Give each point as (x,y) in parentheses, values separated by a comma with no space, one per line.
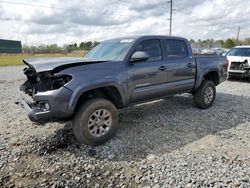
(53,64)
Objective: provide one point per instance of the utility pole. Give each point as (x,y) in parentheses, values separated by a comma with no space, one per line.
(238,33)
(171,17)
(25,38)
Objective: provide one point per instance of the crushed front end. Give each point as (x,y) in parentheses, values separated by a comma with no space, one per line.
(239,69)
(48,96)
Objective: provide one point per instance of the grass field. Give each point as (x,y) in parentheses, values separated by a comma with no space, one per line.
(17,59)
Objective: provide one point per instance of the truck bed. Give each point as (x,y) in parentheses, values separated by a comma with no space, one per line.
(207,63)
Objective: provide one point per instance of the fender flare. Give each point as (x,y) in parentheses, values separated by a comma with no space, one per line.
(201,76)
(83,88)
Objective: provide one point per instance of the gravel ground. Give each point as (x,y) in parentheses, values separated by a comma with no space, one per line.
(168,143)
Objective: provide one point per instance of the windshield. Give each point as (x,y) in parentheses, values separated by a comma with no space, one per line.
(109,50)
(239,52)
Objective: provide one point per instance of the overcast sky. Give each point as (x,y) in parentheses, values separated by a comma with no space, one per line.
(42,22)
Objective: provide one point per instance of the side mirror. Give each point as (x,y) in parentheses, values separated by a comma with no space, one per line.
(139,56)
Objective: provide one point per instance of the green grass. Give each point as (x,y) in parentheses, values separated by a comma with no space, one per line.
(17,59)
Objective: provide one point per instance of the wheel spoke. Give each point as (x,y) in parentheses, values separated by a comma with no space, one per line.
(93,131)
(97,113)
(107,123)
(91,122)
(105,114)
(103,130)
(206,99)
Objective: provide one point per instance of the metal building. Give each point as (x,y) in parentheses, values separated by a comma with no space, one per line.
(10,46)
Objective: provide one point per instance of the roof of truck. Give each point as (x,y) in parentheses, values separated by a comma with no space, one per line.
(135,37)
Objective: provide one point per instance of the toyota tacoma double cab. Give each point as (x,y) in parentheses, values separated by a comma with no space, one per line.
(117,73)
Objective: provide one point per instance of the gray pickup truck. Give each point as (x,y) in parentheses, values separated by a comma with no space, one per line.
(117,73)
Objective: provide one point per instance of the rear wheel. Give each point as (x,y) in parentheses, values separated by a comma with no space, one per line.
(95,121)
(204,97)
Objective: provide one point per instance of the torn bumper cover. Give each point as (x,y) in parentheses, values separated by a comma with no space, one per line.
(48,106)
(240,73)
(35,116)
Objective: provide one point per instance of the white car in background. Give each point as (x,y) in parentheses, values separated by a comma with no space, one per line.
(221,51)
(208,51)
(239,62)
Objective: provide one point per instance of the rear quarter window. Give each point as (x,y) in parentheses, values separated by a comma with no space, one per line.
(175,49)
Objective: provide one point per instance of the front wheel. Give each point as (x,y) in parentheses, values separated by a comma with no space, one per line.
(95,121)
(205,95)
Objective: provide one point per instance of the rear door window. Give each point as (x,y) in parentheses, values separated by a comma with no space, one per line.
(175,49)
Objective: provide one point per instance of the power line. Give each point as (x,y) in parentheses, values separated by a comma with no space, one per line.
(54,6)
(59,8)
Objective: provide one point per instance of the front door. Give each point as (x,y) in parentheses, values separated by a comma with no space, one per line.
(146,77)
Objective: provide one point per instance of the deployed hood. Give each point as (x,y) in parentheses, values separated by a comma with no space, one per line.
(50,64)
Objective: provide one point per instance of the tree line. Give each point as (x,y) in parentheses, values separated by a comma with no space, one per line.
(228,43)
(54,48)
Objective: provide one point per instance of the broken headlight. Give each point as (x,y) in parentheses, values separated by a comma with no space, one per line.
(59,81)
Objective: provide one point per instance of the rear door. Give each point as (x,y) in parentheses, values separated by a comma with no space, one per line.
(145,77)
(181,66)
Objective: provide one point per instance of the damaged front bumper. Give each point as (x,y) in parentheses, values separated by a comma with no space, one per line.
(48,106)
(34,114)
(240,73)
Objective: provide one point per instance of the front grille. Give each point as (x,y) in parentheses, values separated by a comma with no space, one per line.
(238,65)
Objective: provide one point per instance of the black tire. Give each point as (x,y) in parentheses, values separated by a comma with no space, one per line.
(200,95)
(84,116)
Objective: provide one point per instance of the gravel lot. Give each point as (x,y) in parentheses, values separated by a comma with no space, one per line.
(168,143)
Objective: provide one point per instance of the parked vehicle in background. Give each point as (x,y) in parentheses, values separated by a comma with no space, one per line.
(117,73)
(209,51)
(221,51)
(239,62)
(196,51)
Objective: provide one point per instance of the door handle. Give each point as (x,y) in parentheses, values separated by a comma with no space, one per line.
(190,65)
(162,68)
